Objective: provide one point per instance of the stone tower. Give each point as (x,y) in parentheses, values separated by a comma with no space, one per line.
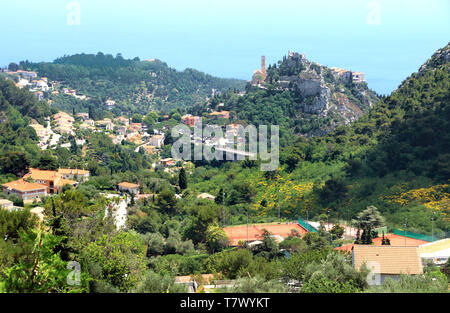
(263,66)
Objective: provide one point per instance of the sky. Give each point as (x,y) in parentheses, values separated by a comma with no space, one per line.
(387,40)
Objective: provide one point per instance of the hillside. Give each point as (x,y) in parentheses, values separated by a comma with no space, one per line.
(135,86)
(301,96)
(394,157)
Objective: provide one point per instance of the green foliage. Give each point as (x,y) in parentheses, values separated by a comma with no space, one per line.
(119,260)
(42,271)
(182,180)
(155,283)
(336,269)
(413,284)
(216,238)
(256,285)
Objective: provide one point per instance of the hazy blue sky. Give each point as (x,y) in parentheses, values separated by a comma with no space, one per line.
(388,40)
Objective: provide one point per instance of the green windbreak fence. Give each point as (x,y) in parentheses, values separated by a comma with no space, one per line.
(413,235)
(381,230)
(307,226)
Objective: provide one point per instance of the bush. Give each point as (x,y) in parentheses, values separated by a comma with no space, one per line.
(256,285)
(155,283)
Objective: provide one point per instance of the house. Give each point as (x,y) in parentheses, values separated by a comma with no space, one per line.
(221,114)
(76,174)
(135,127)
(387,261)
(63,116)
(121,130)
(438,252)
(39,95)
(134,138)
(253,232)
(129,187)
(25,190)
(40,130)
(122,120)
(84,116)
(110,103)
(39,212)
(6,204)
(156,140)
(42,85)
(205,195)
(167,162)
(52,180)
(358,77)
(149,149)
(190,120)
(105,123)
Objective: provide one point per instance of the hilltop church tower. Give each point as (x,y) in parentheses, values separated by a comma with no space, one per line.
(263,66)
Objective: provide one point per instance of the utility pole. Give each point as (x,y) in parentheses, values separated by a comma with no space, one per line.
(223,207)
(406,223)
(247,225)
(279,222)
(432,227)
(328,224)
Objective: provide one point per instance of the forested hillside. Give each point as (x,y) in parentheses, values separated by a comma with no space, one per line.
(395,157)
(136,86)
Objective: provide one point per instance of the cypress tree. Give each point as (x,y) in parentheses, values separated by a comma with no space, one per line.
(182,182)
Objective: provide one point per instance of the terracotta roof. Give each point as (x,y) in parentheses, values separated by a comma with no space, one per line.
(22,185)
(392,260)
(62,182)
(128,185)
(396,240)
(42,174)
(71,171)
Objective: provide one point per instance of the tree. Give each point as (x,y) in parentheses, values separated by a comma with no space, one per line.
(42,271)
(220,197)
(182,181)
(156,283)
(47,162)
(337,231)
(136,118)
(367,220)
(13,67)
(292,161)
(216,238)
(118,260)
(335,268)
(14,162)
(385,241)
(268,247)
(166,201)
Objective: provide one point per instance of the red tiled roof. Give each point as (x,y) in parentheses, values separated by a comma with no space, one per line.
(396,240)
